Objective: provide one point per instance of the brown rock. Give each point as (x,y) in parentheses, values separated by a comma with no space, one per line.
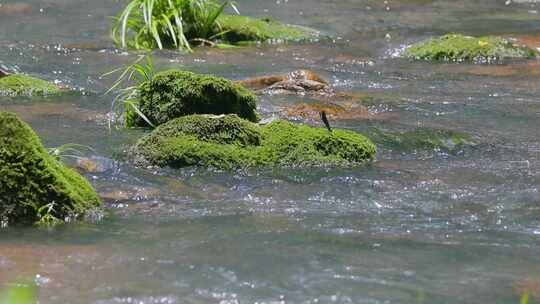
(14,8)
(531,41)
(531,68)
(86,165)
(529,286)
(134,194)
(345,111)
(296,82)
(258,83)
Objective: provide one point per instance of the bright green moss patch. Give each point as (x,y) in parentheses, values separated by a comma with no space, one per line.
(22,85)
(229,142)
(242,28)
(171,94)
(456,47)
(225,129)
(31,179)
(422,139)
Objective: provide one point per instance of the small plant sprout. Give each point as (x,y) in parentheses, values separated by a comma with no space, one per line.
(75,151)
(131,78)
(46,216)
(147,24)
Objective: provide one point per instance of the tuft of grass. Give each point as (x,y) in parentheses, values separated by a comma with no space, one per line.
(127,86)
(148,24)
(46,216)
(75,151)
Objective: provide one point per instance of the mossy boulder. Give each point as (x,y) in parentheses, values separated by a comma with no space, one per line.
(229,142)
(171,94)
(456,47)
(245,29)
(23,85)
(30,179)
(421,139)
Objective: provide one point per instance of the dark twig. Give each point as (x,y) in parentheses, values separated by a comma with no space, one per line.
(3,73)
(325,120)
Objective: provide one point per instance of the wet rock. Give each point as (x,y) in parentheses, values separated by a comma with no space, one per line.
(49,262)
(30,178)
(229,142)
(532,42)
(135,194)
(239,29)
(93,164)
(421,139)
(45,109)
(303,82)
(310,111)
(529,286)
(15,8)
(86,165)
(345,106)
(456,47)
(171,94)
(492,70)
(529,68)
(22,85)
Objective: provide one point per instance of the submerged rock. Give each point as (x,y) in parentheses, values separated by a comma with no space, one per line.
(229,142)
(302,82)
(171,94)
(532,42)
(456,47)
(15,8)
(342,111)
(238,29)
(22,85)
(422,139)
(524,69)
(31,180)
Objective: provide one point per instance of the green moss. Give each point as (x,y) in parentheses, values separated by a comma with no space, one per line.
(22,85)
(243,28)
(223,129)
(422,139)
(228,142)
(457,47)
(30,178)
(378,100)
(171,94)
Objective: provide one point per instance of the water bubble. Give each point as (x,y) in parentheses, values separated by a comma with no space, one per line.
(41,280)
(4,222)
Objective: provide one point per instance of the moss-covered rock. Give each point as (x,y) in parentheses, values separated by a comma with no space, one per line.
(456,47)
(31,179)
(22,85)
(244,29)
(171,94)
(229,142)
(421,139)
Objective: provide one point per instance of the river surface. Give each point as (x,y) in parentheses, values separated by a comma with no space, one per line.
(413,227)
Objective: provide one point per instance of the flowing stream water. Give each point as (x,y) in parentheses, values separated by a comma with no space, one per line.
(412,227)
